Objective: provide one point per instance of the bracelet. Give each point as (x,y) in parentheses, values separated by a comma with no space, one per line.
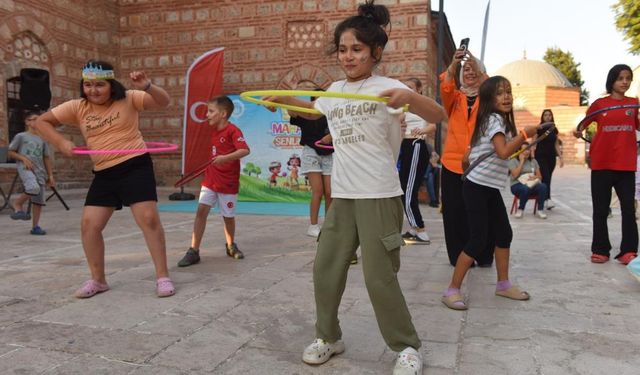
(523,134)
(147,87)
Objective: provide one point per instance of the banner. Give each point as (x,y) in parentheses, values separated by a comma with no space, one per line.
(271,173)
(204,80)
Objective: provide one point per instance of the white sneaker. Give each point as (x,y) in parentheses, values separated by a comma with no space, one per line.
(314,230)
(320,351)
(409,362)
(519,213)
(541,214)
(549,204)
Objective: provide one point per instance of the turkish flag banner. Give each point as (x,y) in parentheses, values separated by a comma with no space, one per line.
(204,81)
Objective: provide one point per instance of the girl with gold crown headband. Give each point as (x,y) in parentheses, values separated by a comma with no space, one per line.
(108,118)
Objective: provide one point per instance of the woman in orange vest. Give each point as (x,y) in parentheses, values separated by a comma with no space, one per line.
(461,105)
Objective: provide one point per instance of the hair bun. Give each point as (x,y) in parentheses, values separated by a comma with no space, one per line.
(376,13)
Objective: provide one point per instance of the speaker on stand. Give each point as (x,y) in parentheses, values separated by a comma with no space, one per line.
(35,93)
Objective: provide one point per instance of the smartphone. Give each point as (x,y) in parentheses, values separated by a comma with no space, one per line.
(464,44)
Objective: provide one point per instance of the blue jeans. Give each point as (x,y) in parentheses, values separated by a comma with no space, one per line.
(429,178)
(523,192)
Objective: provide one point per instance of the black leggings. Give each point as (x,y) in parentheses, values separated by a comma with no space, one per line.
(547,165)
(487,217)
(454,218)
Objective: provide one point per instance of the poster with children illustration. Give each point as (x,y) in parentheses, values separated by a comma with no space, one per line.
(271,173)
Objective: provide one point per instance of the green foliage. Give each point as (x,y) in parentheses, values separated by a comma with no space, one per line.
(253,189)
(564,62)
(628,22)
(249,168)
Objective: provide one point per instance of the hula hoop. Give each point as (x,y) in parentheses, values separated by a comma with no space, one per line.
(586,120)
(150,147)
(249,96)
(547,127)
(319,144)
(193,174)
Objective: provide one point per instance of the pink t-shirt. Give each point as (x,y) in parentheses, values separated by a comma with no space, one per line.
(106,127)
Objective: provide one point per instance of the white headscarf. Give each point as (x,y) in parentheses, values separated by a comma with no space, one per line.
(480,70)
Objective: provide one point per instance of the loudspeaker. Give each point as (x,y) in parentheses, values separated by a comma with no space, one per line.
(35,93)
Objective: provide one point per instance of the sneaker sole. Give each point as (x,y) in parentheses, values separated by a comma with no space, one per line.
(417,242)
(189,264)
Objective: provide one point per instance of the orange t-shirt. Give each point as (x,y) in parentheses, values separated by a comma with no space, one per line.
(106,127)
(460,124)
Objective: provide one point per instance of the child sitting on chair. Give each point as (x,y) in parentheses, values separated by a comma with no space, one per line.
(32,156)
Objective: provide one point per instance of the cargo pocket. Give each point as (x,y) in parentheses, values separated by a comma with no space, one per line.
(392,242)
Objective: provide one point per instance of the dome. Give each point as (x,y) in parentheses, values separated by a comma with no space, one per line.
(533,73)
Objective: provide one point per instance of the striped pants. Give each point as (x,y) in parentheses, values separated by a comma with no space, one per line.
(413,165)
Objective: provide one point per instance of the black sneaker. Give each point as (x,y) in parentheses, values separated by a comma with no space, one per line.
(233,251)
(408,235)
(191,257)
(421,238)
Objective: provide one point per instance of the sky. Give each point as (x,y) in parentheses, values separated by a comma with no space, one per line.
(586,28)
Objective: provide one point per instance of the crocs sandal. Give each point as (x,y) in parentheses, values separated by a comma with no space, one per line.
(164,287)
(599,258)
(454,302)
(513,293)
(90,288)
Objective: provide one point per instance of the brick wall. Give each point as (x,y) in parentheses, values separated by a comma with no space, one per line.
(268,44)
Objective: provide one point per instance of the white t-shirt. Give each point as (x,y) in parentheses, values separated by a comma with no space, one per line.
(492,171)
(366,136)
(413,121)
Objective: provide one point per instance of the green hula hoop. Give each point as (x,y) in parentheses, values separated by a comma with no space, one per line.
(249,96)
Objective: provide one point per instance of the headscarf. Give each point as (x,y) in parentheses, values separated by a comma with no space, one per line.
(480,70)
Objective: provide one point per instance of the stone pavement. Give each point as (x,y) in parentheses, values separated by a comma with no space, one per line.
(256,315)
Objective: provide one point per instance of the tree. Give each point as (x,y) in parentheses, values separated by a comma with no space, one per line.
(257,170)
(563,61)
(249,168)
(628,22)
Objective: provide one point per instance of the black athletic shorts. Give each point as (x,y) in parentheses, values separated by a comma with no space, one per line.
(129,182)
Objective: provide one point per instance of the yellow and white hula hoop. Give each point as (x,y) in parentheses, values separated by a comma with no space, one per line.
(249,96)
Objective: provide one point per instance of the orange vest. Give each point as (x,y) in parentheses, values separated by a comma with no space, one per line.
(460,125)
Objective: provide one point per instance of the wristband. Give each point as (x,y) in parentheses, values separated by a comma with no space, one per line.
(523,134)
(147,87)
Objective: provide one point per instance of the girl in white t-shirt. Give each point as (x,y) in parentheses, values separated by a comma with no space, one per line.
(495,133)
(366,208)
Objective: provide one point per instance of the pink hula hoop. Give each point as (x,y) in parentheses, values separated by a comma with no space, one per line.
(318,144)
(150,147)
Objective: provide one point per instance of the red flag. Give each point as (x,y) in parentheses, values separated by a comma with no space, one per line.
(204,80)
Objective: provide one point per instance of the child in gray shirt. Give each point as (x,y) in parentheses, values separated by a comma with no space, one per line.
(34,166)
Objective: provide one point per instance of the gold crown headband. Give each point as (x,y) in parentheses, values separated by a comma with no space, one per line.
(91,71)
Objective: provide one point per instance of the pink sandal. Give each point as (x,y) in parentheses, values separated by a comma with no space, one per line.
(90,288)
(164,287)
